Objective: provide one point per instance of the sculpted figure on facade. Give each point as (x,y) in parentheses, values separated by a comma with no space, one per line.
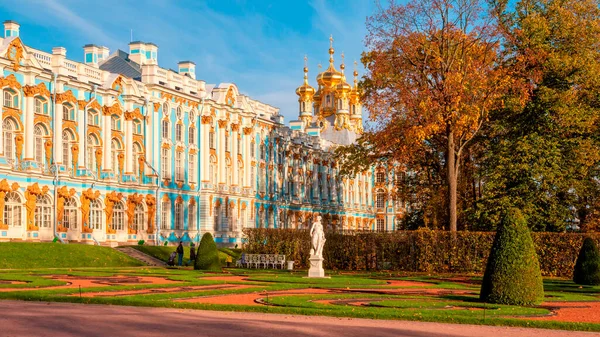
(132,202)
(31,195)
(63,194)
(109,203)
(85,199)
(151,204)
(74,156)
(98,160)
(19,147)
(48,151)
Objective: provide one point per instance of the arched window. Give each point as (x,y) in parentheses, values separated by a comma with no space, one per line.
(41,106)
(240,174)
(380,177)
(380,225)
(178,215)
(179,131)
(339,103)
(68,112)
(354,109)
(212,170)
(192,217)
(228,172)
(192,168)
(38,134)
(92,144)
(179,113)
(118,216)
(137,153)
(165,129)
(9,127)
(12,209)
(302,106)
(165,214)
(165,164)
(67,138)
(115,122)
(70,213)
(137,126)
(192,115)
(192,135)
(380,203)
(11,99)
(95,215)
(263,153)
(179,166)
(166,109)
(328,100)
(115,148)
(138,218)
(92,117)
(43,212)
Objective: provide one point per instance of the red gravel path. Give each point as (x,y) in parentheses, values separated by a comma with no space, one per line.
(68,319)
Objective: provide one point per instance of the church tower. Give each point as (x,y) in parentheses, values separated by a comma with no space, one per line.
(356,105)
(305,99)
(342,95)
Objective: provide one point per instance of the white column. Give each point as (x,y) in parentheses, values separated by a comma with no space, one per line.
(247,142)
(128,148)
(155,122)
(1,122)
(82,118)
(204,151)
(28,132)
(234,156)
(58,146)
(106,143)
(149,135)
(221,151)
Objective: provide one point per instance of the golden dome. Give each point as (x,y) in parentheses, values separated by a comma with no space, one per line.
(355,93)
(330,77)
(343,87)
(305,89)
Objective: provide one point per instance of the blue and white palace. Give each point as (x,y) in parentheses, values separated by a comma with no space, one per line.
(118,149)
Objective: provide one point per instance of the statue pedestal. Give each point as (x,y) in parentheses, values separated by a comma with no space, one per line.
(316,267)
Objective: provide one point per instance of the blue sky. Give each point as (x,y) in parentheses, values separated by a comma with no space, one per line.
(258,45)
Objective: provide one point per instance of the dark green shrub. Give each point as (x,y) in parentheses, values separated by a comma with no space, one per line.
(587,268)
(141,242)
(512,275)
(208,256)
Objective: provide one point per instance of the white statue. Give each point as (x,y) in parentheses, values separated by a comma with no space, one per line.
(318,238)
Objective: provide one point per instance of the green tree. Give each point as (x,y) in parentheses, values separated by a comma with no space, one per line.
(208,255)
(512,275)
(587,267)
(541,154)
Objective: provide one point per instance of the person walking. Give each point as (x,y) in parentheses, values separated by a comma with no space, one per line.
(179,251)
(192,253)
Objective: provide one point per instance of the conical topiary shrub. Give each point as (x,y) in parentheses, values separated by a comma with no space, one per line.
(587,267)
(512,275)
(208,256)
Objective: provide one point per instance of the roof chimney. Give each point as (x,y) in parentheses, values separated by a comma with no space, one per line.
(11,28)
(187,68)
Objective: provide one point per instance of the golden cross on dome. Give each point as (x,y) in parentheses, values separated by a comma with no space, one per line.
(320,66)
(355,65)
(342,57)
(305,60)
(331,41)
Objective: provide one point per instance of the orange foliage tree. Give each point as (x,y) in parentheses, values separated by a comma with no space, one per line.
(433,74)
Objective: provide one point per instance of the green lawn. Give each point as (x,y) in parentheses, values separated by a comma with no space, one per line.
(25,255)
(163,253)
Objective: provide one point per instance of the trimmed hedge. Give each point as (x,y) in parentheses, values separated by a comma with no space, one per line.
(208,256)
(512,275)
(587,267)
(418,251)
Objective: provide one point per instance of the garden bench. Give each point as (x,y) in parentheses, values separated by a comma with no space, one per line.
(261,261)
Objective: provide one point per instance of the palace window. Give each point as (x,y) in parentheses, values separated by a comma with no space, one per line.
(380,225)
(212,170)
(68,112)
(165,129)
(192,135)
(118,216)
(228,172)
(165,109)
(9,128)
(211,140)
(380,177)
(179,113)
(67,139)
(38,134)
(179,132)
(115,122)
(115,148)
(137,126)
(192,217)
(252,150)
(70,214)
(178,215)
(263,153)
(12,209)
(41,106)
(380,203)
(165,164)
(192,115)
(91,150)
(95,215)
(354,109)
(11,99)
(252,177)
(179,166)
(43,212)
(165,214)
(240,174)
(137,154)
(138,217)
(192,168)
(93,117)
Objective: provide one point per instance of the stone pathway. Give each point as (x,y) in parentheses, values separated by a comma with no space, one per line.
(136,254)
(70,319)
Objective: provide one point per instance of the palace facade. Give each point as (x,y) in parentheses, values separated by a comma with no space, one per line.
(118,149)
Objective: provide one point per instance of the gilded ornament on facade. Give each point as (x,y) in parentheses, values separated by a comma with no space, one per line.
(247,131)
(15,53)
(109,202)
(71,125)
(139,139)
(230,98)
(206,120)
(74,155)
(86,197)
(121,160)
(135,113)
(118,84)
(98,154)
(19,146)
(235,127)
(48,151)
(114,109)
(151,204)
(10,81)
(66,96)
(141,165)
(63,194)
(156,107)
(222,123)
(132,202)
(4,189)
(34,90)
(31,194)
(44,119)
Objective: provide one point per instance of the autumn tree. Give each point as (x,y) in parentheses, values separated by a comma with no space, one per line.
(543,157)
(432,77)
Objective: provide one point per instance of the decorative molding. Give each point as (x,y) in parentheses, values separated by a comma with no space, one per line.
(109,201)
(247,131)
(132,202)
(15,53)
(206,120)
(235,127)
(33,90)
(222,123)
(151,204)
(66,96)
(135,113)
(10,81)
(114,109)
